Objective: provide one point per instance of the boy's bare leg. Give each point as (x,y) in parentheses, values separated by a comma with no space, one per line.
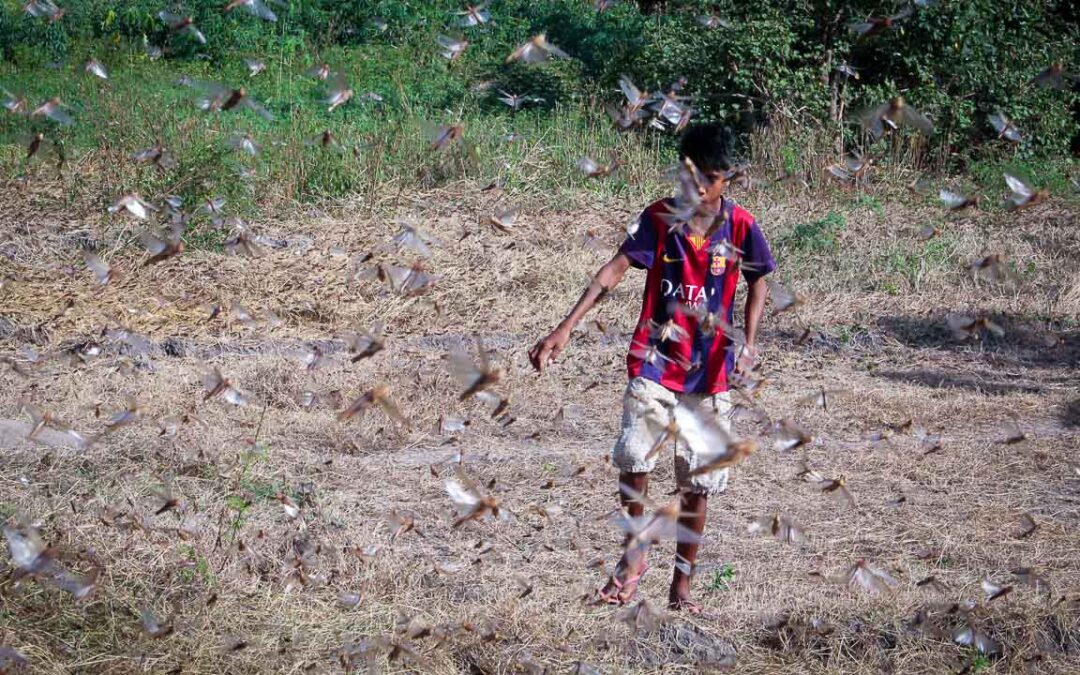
(633,560)
(693,507)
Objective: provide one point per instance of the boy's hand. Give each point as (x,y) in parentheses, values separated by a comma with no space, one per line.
(548,349)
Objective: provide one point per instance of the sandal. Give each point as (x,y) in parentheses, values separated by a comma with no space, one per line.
(609,598)
(688,606)
(613,597)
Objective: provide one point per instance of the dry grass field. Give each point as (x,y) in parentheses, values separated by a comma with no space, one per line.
(247,588)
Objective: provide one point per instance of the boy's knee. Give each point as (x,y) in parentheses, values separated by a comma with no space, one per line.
(712,483)
(629,458)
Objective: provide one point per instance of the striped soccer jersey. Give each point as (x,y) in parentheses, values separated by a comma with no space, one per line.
(667,346)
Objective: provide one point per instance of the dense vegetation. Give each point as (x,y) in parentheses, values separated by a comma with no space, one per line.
(770,65)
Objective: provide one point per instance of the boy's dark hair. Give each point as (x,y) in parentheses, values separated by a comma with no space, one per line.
(707,145)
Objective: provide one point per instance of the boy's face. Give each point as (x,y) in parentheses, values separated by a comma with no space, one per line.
(712,188)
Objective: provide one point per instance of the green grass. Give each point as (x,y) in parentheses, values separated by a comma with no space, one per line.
(238,503)
(200,568)
(818,236)
(903,264)
(1052,175)
(980,663)
(870,202)
(721,579)
(902,267)
(263,491)
(383,143)
(207,239)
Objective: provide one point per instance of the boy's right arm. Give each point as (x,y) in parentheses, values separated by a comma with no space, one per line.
(546,350)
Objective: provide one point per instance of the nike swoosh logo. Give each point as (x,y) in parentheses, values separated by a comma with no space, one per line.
(670,260)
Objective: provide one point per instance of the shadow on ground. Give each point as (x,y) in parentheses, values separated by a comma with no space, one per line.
(943,379)
(1024,344)
(1024,360)
(1007,362)
(1070,412)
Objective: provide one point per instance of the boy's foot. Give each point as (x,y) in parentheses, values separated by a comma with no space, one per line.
(622,586)
(685,605)
(679,598)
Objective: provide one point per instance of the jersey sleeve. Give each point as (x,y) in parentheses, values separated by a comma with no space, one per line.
(757,258)
(640,246)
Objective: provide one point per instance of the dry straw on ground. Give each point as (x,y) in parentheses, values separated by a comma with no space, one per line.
(222,567)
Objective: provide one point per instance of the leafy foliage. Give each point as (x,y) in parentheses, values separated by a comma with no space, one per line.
(771,60)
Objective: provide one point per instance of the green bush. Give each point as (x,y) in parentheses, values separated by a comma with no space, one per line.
(957,61)
(818,236)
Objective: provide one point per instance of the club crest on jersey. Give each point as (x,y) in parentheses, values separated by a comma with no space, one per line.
(717,265)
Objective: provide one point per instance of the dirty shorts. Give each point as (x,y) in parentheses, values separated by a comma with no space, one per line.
(646,399)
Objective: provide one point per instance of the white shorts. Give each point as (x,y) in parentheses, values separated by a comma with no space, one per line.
(646,399)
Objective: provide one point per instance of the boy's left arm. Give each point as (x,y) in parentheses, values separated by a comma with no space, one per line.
(759,262)
(757,292)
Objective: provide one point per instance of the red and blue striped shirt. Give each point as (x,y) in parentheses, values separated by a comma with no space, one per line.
(667,346)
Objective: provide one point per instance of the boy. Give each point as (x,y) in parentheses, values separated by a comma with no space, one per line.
(672,359)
